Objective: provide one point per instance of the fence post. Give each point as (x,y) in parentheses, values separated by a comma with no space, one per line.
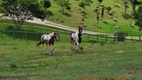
(106,38)
(0,34)
(139,38)
(14,34)
(59,37)
(37,36)
(97,37)
(88,37)
(25,35)
(131,38)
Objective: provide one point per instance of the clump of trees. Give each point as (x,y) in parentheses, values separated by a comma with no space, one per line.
(21,10)
(138,17)
(137,12)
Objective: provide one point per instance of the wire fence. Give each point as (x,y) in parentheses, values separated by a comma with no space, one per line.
(35,36)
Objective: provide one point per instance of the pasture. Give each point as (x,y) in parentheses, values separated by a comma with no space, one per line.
(21,60)
(101,57)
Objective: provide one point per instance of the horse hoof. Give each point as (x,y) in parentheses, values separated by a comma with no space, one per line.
(76,50)
(49,53)
(73,49)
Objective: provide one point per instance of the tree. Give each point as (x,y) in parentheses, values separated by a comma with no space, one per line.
(97,17)
(21,10)
(97,11)
(125,5)
(82,5)
(100,1)
(64,4)
(102,11)
(138,17)
(134,3)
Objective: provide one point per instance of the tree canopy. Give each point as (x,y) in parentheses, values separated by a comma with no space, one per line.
(21,10)
(138,17)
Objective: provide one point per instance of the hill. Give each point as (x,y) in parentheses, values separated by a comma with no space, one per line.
(109,24)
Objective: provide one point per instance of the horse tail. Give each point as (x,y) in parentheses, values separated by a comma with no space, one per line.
(39,43)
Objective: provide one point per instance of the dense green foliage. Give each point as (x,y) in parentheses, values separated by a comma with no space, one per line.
(21,10)
(138,17)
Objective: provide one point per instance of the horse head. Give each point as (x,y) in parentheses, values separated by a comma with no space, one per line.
(55,36)
(80,29)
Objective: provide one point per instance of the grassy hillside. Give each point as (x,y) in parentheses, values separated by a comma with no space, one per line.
(73,18)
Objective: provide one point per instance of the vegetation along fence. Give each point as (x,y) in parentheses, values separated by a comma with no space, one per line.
(26,35)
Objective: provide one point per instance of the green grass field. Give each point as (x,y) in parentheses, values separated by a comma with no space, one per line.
(22,60)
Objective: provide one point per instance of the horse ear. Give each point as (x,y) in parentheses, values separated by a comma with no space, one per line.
(55,33)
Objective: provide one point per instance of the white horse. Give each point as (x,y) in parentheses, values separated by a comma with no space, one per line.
(77,38)
(49,39)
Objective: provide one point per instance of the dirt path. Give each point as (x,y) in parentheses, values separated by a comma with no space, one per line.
(52,24)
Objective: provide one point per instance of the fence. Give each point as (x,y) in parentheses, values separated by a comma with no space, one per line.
(10,34)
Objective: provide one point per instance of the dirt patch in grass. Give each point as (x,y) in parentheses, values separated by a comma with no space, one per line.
(119,52)
(130,68)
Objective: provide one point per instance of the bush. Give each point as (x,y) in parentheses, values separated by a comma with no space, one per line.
(126,16)
(120,36)
(68,8)
(108,8)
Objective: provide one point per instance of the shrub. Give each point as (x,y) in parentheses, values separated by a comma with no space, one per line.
(120,36)
(126,16)
(108,8)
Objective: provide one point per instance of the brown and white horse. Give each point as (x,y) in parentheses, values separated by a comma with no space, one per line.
(77,37)
(48,39)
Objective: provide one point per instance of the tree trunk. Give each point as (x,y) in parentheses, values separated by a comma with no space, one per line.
(62,10)
(18,24)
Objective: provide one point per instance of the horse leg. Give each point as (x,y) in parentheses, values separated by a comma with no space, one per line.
(77,48)
(49,49)
(72,40)
(52,49)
